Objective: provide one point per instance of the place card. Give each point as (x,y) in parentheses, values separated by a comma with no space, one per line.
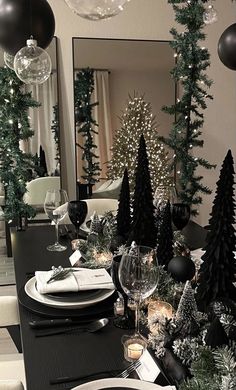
(148,370)
(75,258)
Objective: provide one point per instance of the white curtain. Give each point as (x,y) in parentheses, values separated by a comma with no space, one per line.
(102,115)
(41,120)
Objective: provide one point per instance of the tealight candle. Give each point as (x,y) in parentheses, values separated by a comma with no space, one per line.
(134,351)
(134,347)
(158,311)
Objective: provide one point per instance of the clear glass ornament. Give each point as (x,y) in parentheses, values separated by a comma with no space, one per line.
(96,9)
(9,60)
(32,64)
(210,15)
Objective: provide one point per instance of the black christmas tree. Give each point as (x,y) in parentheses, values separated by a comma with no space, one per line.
(165,238)
(217,272)
(123,215)
(143,229)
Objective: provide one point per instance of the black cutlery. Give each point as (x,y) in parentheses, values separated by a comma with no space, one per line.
(53,323)
(118,373)
(91,328)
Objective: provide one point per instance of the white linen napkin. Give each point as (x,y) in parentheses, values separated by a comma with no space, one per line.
(81,279)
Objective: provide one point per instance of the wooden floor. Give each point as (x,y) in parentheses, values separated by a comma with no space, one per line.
(7,287)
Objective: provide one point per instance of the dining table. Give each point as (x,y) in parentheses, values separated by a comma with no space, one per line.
(70,354)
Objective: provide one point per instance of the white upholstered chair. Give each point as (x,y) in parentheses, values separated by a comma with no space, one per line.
(99,205)
(11,385)
(36,192)
(12,372)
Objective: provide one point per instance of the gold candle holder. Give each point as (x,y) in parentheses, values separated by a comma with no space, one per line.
(134,347)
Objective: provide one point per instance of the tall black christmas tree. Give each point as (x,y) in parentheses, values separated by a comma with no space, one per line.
(165,238)
(217,272)
(123,214)
(15,165)
(143,229)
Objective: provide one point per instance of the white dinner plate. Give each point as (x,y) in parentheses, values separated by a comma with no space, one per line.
(31,291)
(110,383)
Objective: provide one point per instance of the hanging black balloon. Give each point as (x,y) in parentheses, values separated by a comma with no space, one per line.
(181,268)
(227,47)
(22,18)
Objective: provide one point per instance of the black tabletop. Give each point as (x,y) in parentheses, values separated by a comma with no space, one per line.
(70,354)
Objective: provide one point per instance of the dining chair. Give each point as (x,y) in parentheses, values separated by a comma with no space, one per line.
(99,205)
(12,372)
(11,385)
(9,318)
(36,192)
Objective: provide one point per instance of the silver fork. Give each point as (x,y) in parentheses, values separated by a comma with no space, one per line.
(129,369)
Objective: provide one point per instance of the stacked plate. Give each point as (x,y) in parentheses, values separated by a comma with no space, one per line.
(73,300)
(121,384)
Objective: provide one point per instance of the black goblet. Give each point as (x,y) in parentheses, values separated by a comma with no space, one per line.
(180,215)
(77,211)
(127,320)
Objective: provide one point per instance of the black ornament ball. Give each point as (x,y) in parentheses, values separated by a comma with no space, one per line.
(227,47)
(19,19)
(181,268)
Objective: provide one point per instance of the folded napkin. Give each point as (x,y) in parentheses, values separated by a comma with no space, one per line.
(81,279)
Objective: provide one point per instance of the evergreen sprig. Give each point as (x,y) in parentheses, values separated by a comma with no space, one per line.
(86,124)
(15,165)
(189,72)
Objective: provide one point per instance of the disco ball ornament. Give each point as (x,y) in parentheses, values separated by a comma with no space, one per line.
(96,9)
(9,60)
(32,64)
(227,47)
(210,15)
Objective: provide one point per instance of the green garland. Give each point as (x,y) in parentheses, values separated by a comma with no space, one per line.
(189,72)
(15,165)
(84,87)
(55,130)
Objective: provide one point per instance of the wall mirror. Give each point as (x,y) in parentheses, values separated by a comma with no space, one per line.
(122,68)
(44,121)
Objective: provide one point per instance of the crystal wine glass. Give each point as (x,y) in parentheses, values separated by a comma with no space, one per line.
(127,320)
(138,275)
(55,209)
(77,211)
(180,215)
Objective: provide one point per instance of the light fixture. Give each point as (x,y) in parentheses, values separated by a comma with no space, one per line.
(96,9)
(210,15)
(32,64)
(9,60)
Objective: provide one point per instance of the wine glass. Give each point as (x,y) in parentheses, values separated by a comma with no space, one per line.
(77,211)
(55,208)
(138,275)
(180,215)
(127,320)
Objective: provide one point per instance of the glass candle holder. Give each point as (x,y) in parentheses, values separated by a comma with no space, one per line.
(134,347)
(158,312)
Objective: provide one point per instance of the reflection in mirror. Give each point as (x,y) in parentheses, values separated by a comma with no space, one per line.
(121,68)
(44,144)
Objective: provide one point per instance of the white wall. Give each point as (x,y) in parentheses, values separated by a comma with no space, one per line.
(150,19)
(157,88)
